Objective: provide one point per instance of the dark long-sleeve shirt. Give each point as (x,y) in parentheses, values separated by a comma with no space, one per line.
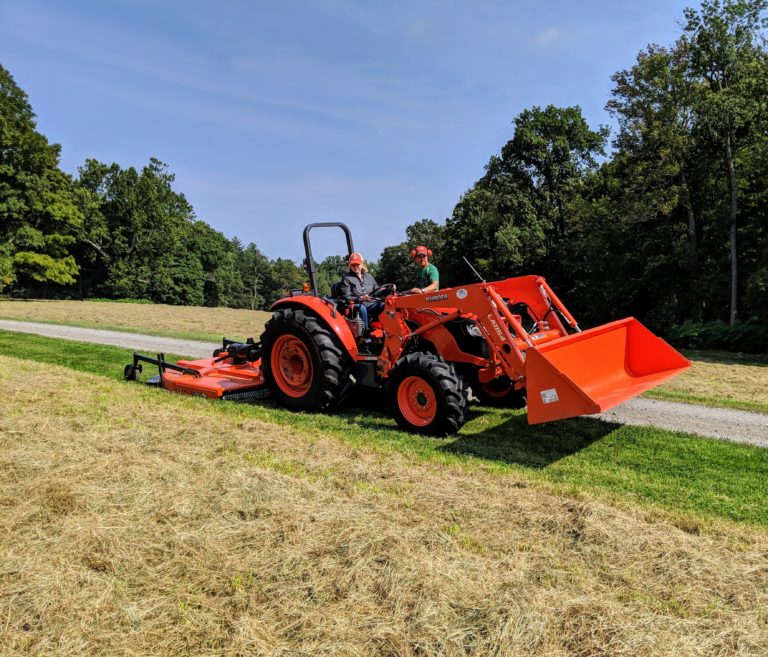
(352,286)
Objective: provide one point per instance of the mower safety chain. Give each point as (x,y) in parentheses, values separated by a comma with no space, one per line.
(247,395)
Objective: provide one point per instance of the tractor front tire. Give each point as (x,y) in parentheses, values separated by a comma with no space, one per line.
(303,366)
(426,395)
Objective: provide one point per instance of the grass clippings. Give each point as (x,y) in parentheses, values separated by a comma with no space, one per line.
(726,381)
(136,523)
(621,463)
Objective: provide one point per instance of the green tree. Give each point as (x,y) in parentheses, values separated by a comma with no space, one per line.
(141,239)
(255,273)
(38,203)
(723,42)
(553,148)
(329,271)
(657,159)
(218,257)
(514,220)
(754,252)
(495,226)
(395,264)
(426,232)
(286,275)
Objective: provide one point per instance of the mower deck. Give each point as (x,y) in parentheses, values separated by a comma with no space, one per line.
(232,373)
(218,380)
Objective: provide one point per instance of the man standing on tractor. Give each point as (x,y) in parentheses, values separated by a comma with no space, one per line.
(357,285)
(427,277)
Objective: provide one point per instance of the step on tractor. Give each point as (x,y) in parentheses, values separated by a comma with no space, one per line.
(509,343)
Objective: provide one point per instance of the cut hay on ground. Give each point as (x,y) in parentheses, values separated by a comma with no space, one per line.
(732,381)
(133,522)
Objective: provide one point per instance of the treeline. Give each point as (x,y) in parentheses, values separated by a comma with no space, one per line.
(672,227)
(665,220)
(118,233)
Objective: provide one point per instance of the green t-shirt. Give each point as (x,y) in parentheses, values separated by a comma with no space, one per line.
(425,276)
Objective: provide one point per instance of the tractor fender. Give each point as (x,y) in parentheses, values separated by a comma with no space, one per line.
(326,312)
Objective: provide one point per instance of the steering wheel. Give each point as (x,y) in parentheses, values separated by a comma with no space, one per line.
(384,290)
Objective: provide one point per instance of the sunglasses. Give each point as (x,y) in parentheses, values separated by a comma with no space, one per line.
(421,255)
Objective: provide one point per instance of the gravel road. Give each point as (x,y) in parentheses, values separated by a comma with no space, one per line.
(725,424)
(148,343)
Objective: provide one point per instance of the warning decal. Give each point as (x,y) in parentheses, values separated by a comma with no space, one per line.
(549,396)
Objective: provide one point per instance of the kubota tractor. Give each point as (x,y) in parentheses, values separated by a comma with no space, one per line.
(512,342)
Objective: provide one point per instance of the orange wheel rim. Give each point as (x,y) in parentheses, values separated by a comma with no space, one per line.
(291,366)
(417,401)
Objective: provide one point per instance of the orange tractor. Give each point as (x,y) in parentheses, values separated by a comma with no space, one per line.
(512,342)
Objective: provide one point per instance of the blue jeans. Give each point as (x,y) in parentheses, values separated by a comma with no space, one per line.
(370,309)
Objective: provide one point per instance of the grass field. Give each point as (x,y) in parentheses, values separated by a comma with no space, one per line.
(210,324)
(135,522)
(725,380)
(700,478)
(138,522)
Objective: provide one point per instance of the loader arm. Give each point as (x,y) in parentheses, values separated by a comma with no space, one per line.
(481,303)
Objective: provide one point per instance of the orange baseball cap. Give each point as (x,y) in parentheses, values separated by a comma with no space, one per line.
(421,250)
(355,258)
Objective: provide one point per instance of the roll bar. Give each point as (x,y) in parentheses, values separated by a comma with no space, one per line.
(309,262)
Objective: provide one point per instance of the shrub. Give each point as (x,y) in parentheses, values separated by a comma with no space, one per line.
(749,337)
(149,301)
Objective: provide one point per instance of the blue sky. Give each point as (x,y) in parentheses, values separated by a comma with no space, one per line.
(274,115)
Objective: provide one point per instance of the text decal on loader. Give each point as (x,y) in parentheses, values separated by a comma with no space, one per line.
(549,396)
(496,328)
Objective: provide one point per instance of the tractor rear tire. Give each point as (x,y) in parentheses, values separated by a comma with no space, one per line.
(426,395)
(499,393)
(304,368)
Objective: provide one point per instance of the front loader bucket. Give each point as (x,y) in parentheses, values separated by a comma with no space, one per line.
(596,369)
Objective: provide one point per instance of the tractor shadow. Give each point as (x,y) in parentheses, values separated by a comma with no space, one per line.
(502,435)
(514,441)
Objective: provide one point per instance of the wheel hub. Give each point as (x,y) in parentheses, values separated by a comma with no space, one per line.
(291,365)
(417,401)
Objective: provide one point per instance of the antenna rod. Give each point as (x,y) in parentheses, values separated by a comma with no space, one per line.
(482,280)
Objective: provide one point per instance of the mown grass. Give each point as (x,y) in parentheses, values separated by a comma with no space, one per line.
(720,379)
(712,401)
(186,322)
(690,476)
(160,333)
(136,522)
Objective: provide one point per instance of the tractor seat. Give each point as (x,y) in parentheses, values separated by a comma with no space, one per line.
(342,303)
(335,291)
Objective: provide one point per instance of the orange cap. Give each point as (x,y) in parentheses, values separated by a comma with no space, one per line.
(355,258)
